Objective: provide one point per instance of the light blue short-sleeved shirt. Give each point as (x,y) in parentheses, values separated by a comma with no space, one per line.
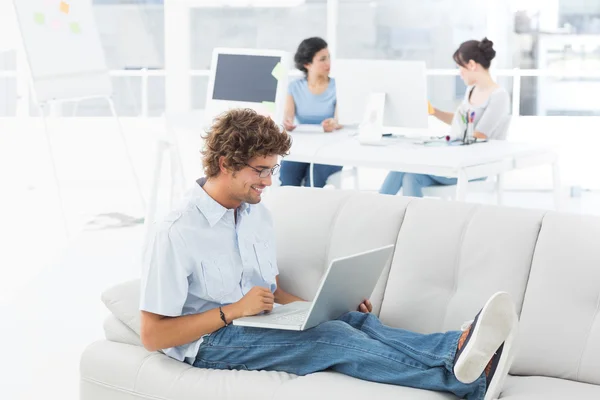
(199,259)
(312,108)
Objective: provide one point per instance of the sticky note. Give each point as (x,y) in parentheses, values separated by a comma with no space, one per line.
(64,7)
(277,71)
(39,18)
(270,106)
(430,109)
(75,28)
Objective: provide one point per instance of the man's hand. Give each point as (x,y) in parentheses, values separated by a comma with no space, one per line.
(365,306)
(257,300)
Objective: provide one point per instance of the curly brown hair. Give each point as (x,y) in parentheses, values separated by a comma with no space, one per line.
(240,135)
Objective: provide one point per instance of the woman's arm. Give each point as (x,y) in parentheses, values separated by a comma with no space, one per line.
(336,118)
(443,116)
(289,113)
(331,124)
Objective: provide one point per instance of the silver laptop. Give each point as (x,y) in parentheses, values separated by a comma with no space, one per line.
(347,283)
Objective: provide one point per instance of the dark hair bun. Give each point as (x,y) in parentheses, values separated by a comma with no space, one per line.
(307,50)
(487,48)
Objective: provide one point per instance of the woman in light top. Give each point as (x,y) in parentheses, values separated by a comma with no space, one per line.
(310,100)
(484,99)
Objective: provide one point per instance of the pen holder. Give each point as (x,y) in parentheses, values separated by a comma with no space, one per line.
(469,136)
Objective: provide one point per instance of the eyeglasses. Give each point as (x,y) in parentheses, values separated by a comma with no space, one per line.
(265,172)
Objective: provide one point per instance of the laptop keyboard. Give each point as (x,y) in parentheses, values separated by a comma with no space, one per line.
(297,317)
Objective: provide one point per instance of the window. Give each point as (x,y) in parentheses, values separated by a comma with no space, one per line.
(428,30)
(280,28)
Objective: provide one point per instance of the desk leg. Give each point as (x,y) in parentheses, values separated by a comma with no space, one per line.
(557,186)
(355,176)
(461,186)
(500,189)
(312,174)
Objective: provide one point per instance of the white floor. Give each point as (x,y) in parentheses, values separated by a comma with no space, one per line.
(50,288)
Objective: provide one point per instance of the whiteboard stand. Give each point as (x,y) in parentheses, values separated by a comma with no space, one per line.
(66,63)
(61,205)
(46,106)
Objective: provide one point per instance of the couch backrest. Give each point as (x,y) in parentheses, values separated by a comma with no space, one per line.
(451,257)
(560,322)
(314,226)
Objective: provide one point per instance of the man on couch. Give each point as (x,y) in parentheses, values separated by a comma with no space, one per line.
(212,260)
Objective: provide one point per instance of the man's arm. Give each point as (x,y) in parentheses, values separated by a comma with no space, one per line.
(283,297)
(161,332)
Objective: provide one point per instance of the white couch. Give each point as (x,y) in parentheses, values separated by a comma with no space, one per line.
(449,258)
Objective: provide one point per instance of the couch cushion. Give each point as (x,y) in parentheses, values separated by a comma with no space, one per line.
(117,331)
(326,224)
(332,385)
(123,300)
(302,253)
(560,324)
(357,230)
(451,257)
(131,369)
(541,388)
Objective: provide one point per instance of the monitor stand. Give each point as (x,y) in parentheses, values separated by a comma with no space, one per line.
(370,129)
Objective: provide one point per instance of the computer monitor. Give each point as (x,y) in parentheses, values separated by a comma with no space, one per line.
(248,78)
(403,83)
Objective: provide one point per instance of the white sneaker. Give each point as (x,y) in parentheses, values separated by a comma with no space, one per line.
(484,344)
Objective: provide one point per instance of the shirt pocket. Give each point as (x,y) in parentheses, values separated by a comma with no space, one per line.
(265,256)
(218,277)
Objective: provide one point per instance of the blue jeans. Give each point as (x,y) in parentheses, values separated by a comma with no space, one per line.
(293,173)
(413,184)
(356,344)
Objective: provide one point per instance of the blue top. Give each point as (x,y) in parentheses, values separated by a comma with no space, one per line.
(313,108)
(199,258)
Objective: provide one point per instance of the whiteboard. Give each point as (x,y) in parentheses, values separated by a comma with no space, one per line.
(63,48)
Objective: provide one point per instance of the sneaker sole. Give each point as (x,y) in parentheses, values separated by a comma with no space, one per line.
(496,320)
(504,365)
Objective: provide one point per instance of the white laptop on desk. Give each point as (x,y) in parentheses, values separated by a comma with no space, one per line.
(347,283)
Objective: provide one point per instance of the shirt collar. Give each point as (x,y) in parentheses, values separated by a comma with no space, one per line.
(209,207)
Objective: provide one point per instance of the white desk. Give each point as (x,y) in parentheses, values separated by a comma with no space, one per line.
(461,162)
